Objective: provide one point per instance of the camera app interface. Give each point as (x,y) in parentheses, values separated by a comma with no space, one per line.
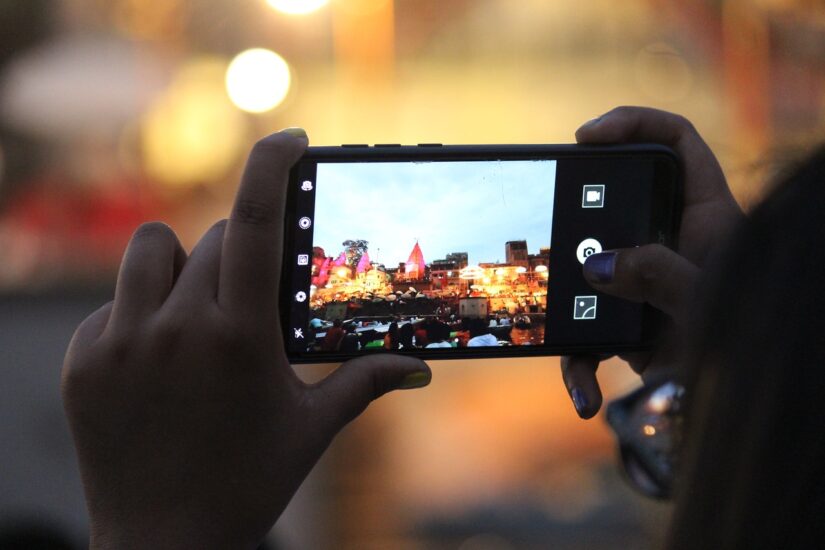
(438,254)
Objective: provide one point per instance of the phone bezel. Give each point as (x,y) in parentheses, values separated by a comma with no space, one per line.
(665,221)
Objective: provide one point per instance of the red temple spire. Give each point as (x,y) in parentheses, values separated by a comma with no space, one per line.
(415,264)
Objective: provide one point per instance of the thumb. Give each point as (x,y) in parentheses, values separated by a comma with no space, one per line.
(652,273)
(354,385)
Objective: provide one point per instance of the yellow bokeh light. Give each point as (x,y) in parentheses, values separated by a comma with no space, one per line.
(257,80)
(192,134)
(297,7)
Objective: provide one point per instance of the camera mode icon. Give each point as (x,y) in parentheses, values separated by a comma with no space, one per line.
(593,196)
(306,186)
(304,223)
(586,248)
(584,308)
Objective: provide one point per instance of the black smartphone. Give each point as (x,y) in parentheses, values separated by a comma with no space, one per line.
(468,251)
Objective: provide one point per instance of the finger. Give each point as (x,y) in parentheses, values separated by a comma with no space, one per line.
(253,241)
(355,384)
(643,124)
(651,273)
(199,278)
(93,326)
(579,375)
(150,266)
(638,361)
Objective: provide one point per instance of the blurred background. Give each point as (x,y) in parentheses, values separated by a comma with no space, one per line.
(115,112)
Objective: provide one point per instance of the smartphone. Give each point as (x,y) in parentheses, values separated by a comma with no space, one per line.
(468,251)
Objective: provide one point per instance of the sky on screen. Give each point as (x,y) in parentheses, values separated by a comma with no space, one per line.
(472,207)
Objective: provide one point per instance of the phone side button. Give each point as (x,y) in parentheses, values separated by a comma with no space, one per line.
(430,145)
(387,145)
(354,145)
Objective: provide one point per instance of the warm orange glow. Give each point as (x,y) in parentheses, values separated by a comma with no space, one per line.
(297,7)
(649,430)
(471,272)
(364,38)
(192,134)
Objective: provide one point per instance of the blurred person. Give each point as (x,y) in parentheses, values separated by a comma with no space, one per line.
(421,339)
(751,355)
(405,334)
(333,337)
(480,334)
(351,340)
(438,333)
(462,335)
(391,340)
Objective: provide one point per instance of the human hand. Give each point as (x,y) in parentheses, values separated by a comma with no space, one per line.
(191,428)
(652,273)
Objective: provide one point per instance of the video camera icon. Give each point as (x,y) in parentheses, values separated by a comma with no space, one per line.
(593,196)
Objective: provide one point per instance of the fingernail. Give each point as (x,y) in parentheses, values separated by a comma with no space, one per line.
(600,268)
(415,380)
(296,132)
(579,400)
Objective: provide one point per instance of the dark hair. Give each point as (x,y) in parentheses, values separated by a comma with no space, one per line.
(752,467)
(392,331)
(405,334)
(478,328)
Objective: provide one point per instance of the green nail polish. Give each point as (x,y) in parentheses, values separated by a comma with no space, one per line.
(415,380)
(296,132)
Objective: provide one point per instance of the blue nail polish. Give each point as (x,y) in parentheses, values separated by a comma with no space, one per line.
(600,268)
(579,400)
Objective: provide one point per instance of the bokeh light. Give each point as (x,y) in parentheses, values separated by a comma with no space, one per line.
(193,134)
(257,80)
(297,7)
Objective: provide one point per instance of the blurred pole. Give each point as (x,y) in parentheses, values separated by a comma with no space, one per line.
(747,62)
(364,41)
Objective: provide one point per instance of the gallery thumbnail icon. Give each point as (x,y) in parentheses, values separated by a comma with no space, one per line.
(593,196)
(584,307)
(303,259)
(300,296)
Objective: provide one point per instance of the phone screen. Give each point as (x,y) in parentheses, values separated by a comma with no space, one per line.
(462,256)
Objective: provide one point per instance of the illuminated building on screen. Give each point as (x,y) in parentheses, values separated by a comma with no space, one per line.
(519,285)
